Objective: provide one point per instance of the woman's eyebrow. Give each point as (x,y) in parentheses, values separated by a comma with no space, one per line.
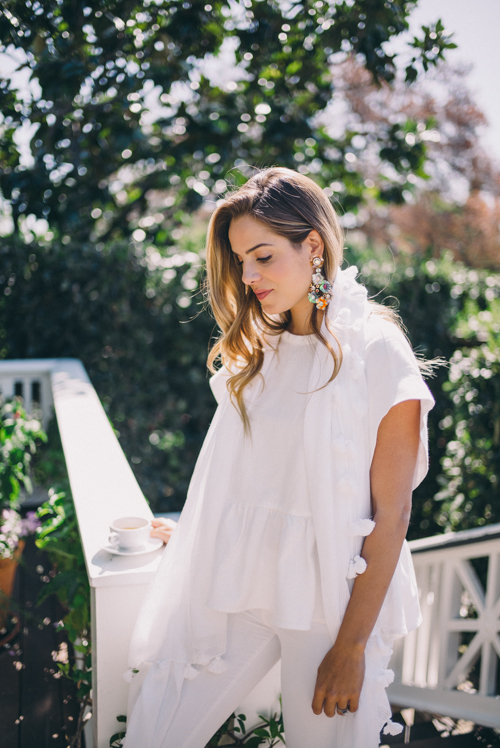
(263,244)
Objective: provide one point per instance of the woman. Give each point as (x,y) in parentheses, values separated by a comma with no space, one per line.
(291,542)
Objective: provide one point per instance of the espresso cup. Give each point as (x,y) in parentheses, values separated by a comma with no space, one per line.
(129,533)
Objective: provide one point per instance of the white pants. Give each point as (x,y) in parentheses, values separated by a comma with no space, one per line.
(254,645)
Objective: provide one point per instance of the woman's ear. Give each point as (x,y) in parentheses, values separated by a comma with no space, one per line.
(315,244)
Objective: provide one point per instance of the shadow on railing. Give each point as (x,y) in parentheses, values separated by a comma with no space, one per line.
(449,666)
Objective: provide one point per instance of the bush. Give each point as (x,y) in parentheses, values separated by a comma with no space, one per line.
(133,318)
(471,466)
(449,310)
(20,435)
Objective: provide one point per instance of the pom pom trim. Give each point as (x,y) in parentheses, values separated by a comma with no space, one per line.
(392,728)
(356,566)
(363,527)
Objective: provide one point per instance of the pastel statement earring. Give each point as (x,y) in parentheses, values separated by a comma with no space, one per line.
(320,290)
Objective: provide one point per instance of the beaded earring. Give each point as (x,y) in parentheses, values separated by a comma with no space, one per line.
(320,290)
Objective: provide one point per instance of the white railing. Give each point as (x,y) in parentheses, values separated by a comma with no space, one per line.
(460,629)
(431,665)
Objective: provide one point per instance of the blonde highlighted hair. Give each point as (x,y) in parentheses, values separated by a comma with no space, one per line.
(291,205)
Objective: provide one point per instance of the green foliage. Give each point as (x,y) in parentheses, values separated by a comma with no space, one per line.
(270,732)
(125,114)
(471,467)
(471,426)
(116,740)
(20,434)
(58,536)
(428,52)
(451,311)
(133,318)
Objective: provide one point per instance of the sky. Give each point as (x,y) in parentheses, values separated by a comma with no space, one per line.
(476,27)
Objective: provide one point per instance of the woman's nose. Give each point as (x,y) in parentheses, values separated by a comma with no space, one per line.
(250,274)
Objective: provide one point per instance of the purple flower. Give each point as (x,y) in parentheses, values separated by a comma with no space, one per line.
(29,524)
(12,527)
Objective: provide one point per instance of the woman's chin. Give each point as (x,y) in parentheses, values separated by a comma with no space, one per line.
(272,307)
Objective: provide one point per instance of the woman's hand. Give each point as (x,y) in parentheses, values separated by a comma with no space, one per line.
(163,528)
(339,681)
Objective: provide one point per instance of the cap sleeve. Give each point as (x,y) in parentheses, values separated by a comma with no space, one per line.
(393,376)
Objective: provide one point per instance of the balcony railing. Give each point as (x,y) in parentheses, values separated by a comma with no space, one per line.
(458,575)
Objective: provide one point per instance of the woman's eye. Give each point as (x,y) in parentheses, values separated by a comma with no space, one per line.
(259,259)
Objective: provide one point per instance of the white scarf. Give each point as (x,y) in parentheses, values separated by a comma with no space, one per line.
(176,634)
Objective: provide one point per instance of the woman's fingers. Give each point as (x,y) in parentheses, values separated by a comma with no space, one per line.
(163,522)
(354,704)
(334,703)
(330,705)
(162,533)
(318,699)
(341,709)
(162,528)
(328,702)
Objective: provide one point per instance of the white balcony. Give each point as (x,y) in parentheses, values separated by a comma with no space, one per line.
(428,664)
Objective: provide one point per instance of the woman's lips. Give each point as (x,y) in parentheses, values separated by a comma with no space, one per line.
(262,294)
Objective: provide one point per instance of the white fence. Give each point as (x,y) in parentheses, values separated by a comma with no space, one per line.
(432,665)
(450,664)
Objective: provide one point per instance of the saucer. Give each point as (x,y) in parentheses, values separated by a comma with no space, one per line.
(152,545)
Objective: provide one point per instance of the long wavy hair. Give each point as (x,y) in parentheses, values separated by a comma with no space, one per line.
(291,205)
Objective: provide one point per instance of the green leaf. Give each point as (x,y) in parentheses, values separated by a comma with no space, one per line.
(253,742)
(115,740)
(261,732)
(273,727)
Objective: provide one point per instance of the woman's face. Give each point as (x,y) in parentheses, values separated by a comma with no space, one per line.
(275,271)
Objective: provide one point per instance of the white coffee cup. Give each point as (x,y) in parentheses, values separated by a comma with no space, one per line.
(129,533)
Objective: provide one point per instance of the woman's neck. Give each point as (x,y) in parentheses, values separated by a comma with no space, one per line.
(300,324)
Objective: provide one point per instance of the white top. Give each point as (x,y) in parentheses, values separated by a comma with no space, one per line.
(266,554)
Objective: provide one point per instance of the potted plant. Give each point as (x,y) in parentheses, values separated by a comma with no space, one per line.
(18,441)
